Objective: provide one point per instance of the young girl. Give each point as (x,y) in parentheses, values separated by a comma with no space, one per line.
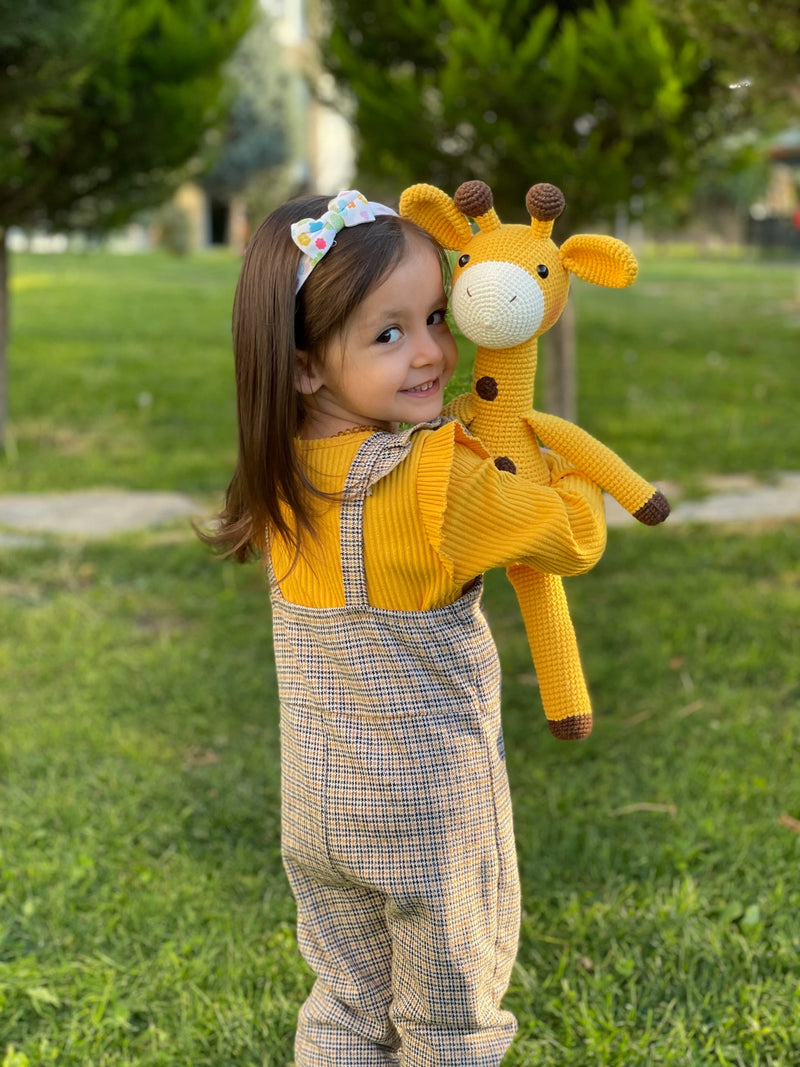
(396,823)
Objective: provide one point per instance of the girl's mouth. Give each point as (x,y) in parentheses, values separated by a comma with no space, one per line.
(422,390)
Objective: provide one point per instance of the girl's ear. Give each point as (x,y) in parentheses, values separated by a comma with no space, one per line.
(436,213)
(306,380)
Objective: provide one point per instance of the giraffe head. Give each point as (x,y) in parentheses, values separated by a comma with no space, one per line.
(511,282)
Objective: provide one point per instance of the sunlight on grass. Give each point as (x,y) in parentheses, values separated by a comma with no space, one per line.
(144,914)
(121,370)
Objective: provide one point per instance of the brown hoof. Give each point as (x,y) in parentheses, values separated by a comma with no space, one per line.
(654,511)
(573,728)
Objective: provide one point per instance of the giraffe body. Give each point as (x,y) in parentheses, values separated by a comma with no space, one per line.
(510,285)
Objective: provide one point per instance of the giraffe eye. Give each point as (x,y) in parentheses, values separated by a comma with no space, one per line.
(542,270)
(463,260)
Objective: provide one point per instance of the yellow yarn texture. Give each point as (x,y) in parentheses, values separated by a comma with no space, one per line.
(510,285)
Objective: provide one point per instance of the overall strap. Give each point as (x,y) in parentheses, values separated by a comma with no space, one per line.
(273,578)
(375,458)
(378,455)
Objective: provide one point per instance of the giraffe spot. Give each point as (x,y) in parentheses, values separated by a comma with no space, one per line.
(486,388)
(503,463)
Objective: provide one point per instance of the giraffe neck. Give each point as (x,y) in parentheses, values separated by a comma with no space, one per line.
(502,391)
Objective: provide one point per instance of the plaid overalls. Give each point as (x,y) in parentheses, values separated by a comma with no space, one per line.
(397,836)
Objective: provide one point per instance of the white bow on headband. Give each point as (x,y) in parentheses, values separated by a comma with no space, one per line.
(314,237)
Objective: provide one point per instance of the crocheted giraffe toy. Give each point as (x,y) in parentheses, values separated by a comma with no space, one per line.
(510,285)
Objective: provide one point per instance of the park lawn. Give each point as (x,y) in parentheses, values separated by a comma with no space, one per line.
(121,370)
(693,370)
(144,915)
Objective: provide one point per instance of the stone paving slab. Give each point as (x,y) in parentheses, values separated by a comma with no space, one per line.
(98,513)
(91,513)
(735,498)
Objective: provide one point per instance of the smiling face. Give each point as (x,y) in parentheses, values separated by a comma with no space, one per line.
(393,358)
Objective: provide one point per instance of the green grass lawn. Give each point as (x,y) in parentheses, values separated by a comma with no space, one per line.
(121,370)
(144,915)
(694,368)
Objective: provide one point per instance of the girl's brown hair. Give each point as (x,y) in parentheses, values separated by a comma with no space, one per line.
(270,324)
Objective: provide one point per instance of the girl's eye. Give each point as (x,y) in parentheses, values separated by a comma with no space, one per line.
(386,338)
(438,317)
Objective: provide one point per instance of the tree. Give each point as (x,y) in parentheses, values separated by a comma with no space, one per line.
(595,97)
(751,48)
(102,103)
(600,98)
(752,44)
(254,137)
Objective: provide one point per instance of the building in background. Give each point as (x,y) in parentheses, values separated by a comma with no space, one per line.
(319,149)
(774,220)
(322,147)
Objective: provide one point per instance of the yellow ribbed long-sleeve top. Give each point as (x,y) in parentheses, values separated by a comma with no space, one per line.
(443,516)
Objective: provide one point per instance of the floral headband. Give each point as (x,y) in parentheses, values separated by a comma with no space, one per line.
(314,237)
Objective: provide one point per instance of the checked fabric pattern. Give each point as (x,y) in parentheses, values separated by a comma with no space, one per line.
(397,833)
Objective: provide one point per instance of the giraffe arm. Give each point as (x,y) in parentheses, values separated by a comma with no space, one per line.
(460,407)
(604,467)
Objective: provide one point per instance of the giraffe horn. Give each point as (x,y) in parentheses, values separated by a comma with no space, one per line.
(475,200)
(544,203)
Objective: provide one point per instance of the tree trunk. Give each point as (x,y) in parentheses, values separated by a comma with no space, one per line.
(561,378)
(3,342)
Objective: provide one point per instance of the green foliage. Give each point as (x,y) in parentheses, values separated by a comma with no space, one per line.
(598,99)
(752,44)
(255,137)
(104,100)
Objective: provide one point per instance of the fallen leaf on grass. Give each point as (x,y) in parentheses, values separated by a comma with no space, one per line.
(201,757)
(690,709)
(789,822)
(641,716)
(665,809)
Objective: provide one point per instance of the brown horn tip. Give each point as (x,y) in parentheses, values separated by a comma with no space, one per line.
(545,202)
(473,199)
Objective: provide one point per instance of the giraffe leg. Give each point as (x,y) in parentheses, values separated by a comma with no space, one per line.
(555,652)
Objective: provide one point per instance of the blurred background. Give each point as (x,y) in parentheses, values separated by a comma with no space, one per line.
(188,121)
(132,127)
(144,915)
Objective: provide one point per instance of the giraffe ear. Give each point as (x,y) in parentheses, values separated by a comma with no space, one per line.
(435,212)
(600,260)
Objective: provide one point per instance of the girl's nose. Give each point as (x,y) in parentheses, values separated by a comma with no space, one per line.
(426,350)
